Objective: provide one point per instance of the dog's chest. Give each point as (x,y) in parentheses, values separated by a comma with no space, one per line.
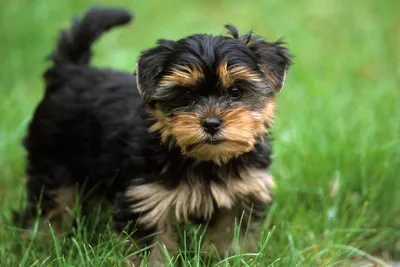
(198,197)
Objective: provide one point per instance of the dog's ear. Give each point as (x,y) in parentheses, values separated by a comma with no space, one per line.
(149,67)
(274,58)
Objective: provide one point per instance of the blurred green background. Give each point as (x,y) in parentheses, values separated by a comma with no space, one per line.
(337,134)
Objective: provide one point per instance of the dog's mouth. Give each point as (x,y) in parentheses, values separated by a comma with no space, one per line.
(212,142)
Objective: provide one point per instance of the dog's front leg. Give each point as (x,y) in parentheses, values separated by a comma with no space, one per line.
(144,212)
(166,241)
(234,231)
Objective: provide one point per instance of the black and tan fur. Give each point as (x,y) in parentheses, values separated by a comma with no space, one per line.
(183,141)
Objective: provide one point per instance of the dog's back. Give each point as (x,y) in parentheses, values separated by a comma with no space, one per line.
(74,130)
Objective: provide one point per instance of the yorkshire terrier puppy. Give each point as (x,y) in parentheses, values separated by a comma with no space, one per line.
(185,140)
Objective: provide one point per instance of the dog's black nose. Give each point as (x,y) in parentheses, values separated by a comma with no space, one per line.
(211,124)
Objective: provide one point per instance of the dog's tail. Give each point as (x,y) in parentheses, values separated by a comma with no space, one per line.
(74,45)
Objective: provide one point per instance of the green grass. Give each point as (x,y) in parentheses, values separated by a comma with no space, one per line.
(337,135)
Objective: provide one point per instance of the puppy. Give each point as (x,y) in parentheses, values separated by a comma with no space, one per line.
(185,140)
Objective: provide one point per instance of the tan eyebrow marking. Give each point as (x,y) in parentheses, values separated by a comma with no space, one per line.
(228,76)
(182,75)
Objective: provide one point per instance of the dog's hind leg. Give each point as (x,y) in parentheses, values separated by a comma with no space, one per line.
(52,196)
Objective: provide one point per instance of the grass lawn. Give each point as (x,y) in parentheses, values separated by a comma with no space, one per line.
(337,134)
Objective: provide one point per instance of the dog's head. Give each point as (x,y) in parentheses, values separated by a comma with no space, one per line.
(212,96)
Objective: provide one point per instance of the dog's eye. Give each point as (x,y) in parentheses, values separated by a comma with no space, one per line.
(188,95)
(235,92)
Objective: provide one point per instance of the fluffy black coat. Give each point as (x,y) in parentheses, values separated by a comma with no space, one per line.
(91,132)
